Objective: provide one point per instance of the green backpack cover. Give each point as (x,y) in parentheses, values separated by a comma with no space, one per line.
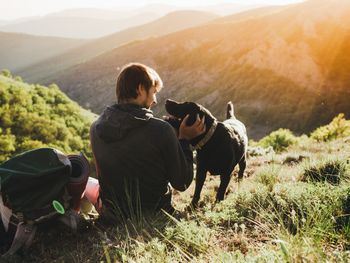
(33,180)
(34,190)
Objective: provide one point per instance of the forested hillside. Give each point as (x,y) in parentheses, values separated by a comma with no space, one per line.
(33,116)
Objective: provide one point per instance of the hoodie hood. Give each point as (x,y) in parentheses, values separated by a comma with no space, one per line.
(118,120)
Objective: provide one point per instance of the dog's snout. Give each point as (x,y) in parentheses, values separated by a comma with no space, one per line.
(170,106)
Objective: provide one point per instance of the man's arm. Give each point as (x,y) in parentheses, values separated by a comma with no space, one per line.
(179,158)
(178,162)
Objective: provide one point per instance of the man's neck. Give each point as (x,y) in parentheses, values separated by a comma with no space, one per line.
(131,101)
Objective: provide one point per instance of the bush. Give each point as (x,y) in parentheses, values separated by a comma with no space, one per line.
(259,151)
(338,128)
(268,176)
(6,73)
(331,171)
(189,236)
(279,140)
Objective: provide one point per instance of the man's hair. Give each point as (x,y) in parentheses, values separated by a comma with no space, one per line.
(131,76)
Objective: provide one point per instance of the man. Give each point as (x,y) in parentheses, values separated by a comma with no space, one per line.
(136,154)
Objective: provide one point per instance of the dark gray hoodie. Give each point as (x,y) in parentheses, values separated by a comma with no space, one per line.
(137,155)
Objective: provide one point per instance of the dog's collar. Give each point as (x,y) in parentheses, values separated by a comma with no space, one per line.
(206,138)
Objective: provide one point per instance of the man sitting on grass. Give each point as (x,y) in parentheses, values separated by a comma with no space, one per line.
(136,154)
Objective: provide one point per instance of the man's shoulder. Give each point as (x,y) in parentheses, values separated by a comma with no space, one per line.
(160,122)
(162,125)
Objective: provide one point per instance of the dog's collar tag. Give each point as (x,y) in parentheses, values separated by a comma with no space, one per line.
(207,137)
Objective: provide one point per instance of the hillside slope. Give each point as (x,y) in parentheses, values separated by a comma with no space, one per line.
(46,70)
(21,50)
(280,70)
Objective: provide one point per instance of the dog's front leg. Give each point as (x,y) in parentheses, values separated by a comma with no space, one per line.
(242,165)
(224,181)
(200,178)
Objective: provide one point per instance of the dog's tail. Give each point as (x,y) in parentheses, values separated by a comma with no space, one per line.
(230,113)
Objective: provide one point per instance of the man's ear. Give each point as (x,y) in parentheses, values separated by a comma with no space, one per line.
(139,89)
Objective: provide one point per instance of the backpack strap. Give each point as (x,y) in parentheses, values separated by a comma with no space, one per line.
(24,225)
(71,219)
(23,238)
(25,231)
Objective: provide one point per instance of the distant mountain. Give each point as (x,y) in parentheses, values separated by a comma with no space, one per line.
(76,27)
(225,9)
(250,14)
(44,71)
(95,13)
(287,69)
(22,50)
(94,22)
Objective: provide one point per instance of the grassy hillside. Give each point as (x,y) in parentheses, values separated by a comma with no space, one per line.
(280,69)
(292,206)
(21,50)
(47,70)
(33,116)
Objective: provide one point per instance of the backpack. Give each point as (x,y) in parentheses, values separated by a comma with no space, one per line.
(37,186)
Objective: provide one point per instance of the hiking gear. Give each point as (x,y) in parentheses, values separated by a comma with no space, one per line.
(35,188)
(78,179)
(26,178)
(58,207)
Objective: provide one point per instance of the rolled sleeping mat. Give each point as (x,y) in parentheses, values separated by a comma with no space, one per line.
(78,178)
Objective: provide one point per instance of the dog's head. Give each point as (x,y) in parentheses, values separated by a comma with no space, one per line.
(178,112)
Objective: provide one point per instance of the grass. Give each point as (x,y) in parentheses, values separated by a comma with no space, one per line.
(329,170)
(277,214)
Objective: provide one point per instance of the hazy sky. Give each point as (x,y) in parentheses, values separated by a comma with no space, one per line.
(13,9)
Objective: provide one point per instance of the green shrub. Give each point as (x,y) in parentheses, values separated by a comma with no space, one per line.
(223,214)
(268,176)
(338,128)
(7,146)
(6,73)
(279,140)
(189,236)
(33,116)
(331,171)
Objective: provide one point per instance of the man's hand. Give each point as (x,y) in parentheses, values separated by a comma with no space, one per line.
(190,132)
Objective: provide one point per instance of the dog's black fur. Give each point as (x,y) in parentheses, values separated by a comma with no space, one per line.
(225,149)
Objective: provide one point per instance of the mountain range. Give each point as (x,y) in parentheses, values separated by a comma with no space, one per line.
(285,68)
(44,70)
(95,23)
(76,27)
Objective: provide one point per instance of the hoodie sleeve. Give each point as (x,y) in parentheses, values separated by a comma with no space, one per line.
(178,161)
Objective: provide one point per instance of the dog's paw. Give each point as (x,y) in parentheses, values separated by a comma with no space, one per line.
(192,207)
(238,179)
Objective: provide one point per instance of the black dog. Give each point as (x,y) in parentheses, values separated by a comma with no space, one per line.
(222,146)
